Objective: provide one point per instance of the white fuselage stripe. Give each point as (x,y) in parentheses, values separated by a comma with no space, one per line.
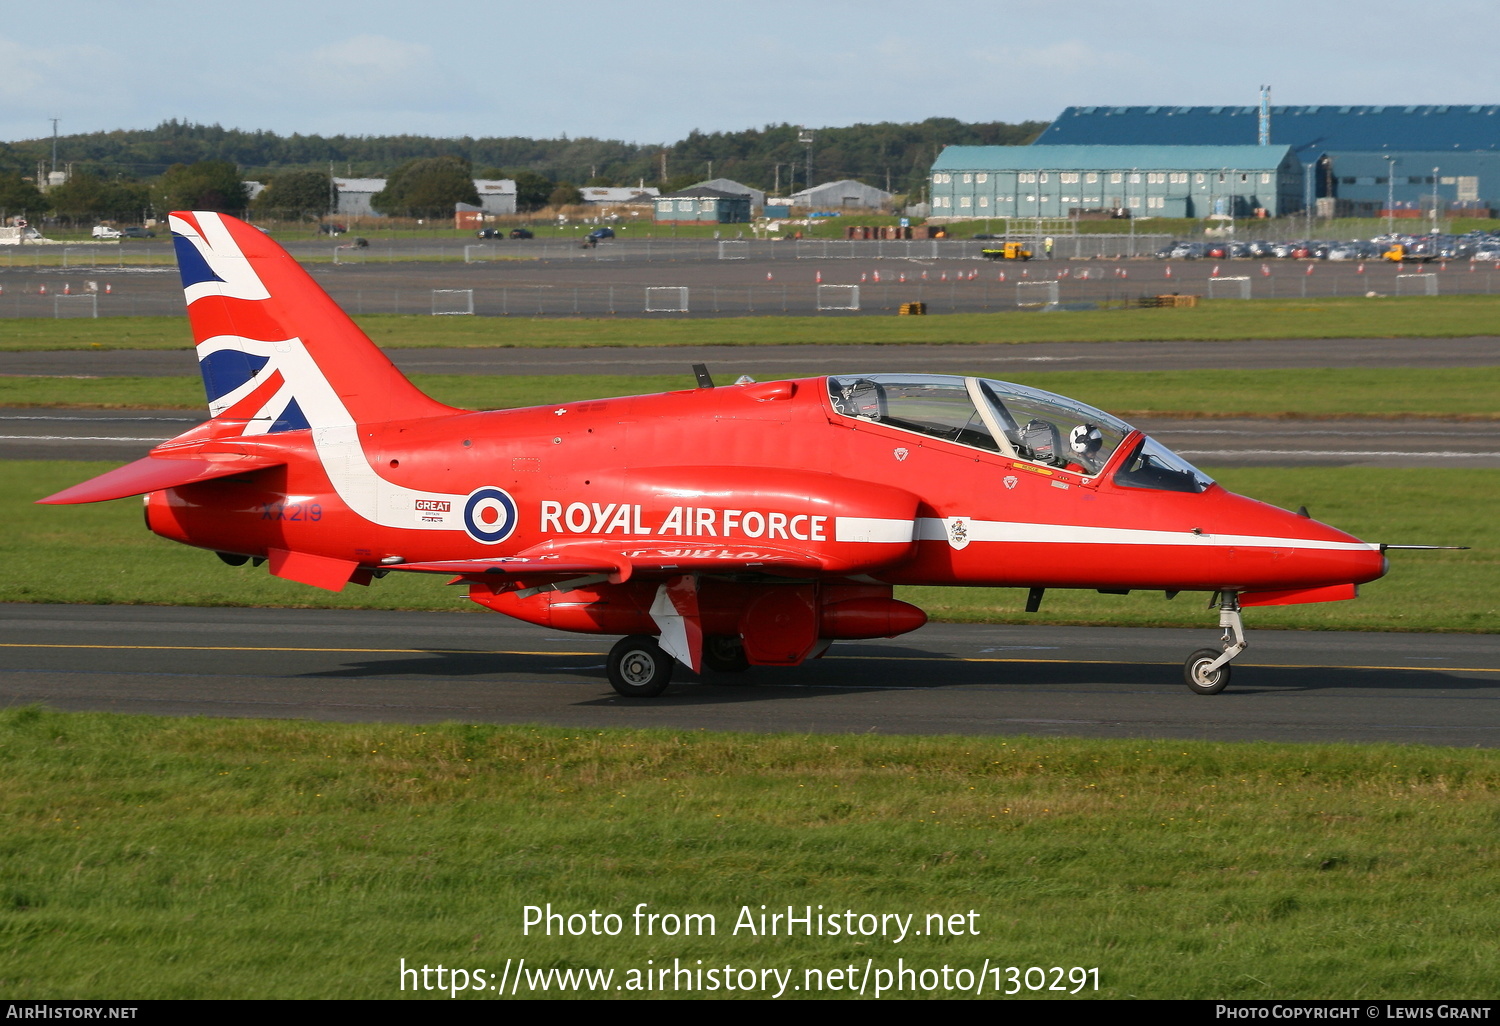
(930,529)
(873,529)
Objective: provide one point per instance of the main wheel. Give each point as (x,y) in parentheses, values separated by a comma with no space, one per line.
(724,653)
(638,668)
(1201,680)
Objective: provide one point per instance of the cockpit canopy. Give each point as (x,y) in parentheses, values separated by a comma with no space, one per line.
(1013,421)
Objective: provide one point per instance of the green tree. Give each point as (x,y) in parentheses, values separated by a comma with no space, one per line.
(427,188)
(18,197)
(532,189)
(296,194)
(206,185)
(565,195)
(88,197)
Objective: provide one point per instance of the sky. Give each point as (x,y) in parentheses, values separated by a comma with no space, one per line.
(652,71)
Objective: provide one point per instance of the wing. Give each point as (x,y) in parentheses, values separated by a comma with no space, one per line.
(627,562)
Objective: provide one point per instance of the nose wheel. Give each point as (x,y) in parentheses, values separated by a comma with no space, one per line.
(1206,671)
(1203,672)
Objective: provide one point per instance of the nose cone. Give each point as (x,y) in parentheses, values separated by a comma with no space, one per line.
(1280,551)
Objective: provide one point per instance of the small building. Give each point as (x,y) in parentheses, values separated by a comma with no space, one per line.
(702,205)
(1138,181)
(729,185)
(497,196)
(842,195)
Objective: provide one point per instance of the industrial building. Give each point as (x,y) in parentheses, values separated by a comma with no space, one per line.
(1367,159)
(1135,181)
(354,196)
(619,196)
(842,195)
(497,196)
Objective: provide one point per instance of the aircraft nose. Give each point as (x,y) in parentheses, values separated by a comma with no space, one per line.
(1333,556)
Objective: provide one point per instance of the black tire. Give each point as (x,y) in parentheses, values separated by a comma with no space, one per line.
(724,653)
(1199,682)
(638,668)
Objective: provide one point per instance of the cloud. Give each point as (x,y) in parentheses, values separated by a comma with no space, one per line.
(42,82)
(365,69)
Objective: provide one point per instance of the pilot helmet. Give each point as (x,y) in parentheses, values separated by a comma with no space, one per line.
(1085,439)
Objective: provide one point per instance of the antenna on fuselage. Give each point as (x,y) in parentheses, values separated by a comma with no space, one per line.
(700,371)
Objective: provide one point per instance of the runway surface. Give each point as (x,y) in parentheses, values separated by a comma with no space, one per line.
(425,667)
(728,362)
(64,434)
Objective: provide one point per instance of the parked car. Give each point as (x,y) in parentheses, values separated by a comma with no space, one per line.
(489,233)
(104,231)
(134,232)
(592,238)
(522,233)
(332,229)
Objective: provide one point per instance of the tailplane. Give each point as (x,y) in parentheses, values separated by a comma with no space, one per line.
(276,353)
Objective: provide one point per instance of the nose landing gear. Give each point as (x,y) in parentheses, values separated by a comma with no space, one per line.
(1206,671)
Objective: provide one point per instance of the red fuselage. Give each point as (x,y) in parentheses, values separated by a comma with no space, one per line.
(706,470)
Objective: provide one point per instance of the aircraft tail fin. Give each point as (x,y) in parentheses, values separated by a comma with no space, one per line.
(275,351)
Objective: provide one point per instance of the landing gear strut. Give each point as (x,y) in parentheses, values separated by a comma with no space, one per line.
(1207,671)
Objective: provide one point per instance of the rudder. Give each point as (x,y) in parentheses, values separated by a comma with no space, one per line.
(274,349)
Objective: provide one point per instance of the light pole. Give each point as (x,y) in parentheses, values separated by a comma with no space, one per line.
(1434,203)
(1390,195)
(1308,193)
(805,137)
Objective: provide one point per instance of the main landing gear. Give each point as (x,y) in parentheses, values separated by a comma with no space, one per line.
(1207,670)
(638,668)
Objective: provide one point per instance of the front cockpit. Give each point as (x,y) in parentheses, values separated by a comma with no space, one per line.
(1017,422)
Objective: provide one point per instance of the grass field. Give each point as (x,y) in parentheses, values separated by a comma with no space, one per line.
(1454,392)
(101,553)
(191,858)
(1212,320)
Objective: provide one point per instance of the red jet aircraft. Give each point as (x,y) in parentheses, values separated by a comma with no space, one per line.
(749,525)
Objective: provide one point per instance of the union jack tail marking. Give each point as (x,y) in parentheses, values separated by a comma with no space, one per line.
(276,353)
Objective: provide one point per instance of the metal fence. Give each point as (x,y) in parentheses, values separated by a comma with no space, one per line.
(1072,247)
(956,283)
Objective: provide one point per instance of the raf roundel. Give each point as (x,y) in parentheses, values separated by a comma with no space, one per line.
(489,515)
